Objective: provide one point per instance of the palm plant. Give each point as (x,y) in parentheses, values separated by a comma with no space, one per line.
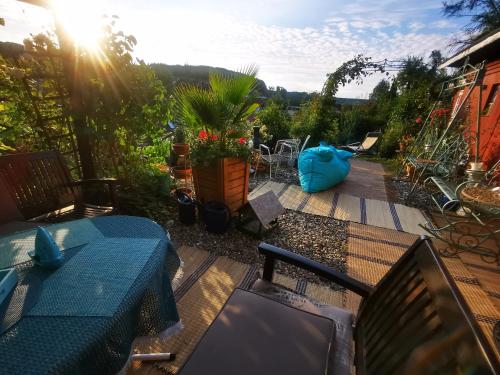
(219,114)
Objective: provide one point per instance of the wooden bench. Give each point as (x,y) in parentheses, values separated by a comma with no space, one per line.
(40,187)
(414,321)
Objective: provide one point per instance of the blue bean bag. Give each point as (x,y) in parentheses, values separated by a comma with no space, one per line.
(323,167)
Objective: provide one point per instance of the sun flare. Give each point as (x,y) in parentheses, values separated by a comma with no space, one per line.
(82,21)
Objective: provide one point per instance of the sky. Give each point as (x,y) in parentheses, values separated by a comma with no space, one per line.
(294,43)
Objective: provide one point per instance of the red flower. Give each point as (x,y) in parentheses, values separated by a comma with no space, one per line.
(418,120)
(242,140)
(203,135)
(213,137)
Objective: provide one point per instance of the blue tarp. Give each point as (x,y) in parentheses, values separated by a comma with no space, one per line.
(323,167)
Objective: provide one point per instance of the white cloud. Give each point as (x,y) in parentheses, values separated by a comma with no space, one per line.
(415,26)
(444,24)
(297,58)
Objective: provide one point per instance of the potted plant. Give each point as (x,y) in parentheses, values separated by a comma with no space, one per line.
(404,142)
(218,117)
(180,145)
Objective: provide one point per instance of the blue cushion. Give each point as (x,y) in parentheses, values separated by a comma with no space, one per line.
(322,167)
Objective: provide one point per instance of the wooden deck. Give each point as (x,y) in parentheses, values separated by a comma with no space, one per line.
(365,180)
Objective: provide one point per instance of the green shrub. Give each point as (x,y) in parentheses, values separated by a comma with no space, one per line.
(275,120)
(145,191)
(310,120)
(390,139)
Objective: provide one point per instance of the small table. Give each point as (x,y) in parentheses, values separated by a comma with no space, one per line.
(254,334)
(94,334)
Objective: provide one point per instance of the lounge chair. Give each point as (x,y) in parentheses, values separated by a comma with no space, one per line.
(414,321)
(371,138)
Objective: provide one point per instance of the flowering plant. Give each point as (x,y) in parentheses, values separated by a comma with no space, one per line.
(218,116)
(406,139)
(437,123)
(438,116)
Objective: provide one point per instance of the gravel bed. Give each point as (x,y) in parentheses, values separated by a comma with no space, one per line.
(421,197)
(320,238)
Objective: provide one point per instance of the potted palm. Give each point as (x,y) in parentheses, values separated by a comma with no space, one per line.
(218,117)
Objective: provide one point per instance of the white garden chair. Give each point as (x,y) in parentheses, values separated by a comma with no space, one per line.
(290,151)
(268,158)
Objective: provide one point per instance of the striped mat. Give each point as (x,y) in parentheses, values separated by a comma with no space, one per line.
(346,207)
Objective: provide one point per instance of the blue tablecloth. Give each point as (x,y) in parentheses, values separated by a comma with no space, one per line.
(94,334)
(14,248)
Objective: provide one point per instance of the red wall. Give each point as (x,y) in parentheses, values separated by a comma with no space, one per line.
(489,150)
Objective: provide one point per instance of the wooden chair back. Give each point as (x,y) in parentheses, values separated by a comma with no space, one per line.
(416,322)
(38,182)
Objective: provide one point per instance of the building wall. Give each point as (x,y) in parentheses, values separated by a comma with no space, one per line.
(489,145)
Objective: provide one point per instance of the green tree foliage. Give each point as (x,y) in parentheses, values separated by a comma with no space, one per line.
(279,96)
(305,122)
(357,120)
(16,113)
(484,17)
(125,107)
(275,121)
(320,117)
(412,85)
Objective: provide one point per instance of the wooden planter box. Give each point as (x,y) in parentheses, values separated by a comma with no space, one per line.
(225,181)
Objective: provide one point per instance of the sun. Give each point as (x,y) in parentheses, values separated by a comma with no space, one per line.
(81,20)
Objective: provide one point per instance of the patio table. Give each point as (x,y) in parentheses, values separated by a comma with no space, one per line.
(114,285)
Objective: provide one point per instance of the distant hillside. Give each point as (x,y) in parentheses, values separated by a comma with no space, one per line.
(296,98)
(350,101)
(172,75)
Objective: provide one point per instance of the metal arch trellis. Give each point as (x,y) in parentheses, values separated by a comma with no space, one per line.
(44,85)
(467,78)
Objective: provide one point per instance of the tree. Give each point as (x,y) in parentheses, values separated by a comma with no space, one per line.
(436,58)
(415,73)
(124,105)
(484,17)
(305,121)
(276,121)
(413,100)
(381,91)
(279,96)
(327,127)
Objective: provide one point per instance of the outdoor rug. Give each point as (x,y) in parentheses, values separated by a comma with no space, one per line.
(346,207)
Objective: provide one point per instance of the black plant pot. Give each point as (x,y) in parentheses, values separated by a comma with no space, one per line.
(217,217)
